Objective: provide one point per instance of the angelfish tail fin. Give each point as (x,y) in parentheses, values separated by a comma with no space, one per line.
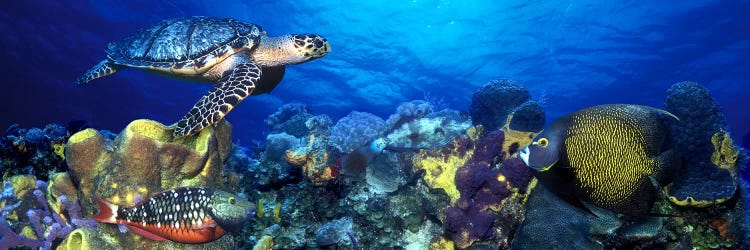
(107,212)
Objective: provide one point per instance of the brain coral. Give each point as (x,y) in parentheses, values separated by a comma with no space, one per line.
(355,130)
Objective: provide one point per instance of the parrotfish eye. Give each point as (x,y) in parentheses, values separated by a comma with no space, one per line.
(542,142)
(231,200)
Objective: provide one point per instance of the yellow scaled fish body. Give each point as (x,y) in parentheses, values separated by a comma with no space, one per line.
(605,155)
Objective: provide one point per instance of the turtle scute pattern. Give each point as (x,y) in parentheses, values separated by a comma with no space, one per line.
(220,100)
(184,41)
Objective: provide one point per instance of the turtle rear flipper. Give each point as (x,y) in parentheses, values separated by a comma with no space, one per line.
(221,99)
(104,68)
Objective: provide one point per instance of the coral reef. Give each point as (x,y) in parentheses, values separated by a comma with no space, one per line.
(145,159)
(408,111)
(313,155)
(481,180)
(355,130)
(290,118)
(28,207)
(464,188)
(33,151)
(699,182)
(497,99)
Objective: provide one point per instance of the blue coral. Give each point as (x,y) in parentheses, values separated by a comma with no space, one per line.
(355,130)
(290,118)
(30,151)
(408,111)
(493,102)
(700,117)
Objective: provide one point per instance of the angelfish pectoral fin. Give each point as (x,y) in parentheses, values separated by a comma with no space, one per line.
(221,99)
(524,155)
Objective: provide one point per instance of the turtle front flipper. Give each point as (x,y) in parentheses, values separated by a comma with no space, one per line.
(104,68)
(226,94)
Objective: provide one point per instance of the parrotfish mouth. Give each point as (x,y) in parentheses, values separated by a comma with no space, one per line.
(524,155)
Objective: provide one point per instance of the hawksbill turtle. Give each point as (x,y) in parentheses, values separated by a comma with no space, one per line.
(239,57)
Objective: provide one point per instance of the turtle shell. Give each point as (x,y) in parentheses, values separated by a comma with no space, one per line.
(191,43)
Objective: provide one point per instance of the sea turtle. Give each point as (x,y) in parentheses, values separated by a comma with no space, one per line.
(239,57)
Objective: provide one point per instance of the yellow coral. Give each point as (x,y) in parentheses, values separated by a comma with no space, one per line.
(724,155)
(59,149)
(442,244)
(441,170)
(516,137)
(22,184)
(277,213)
(265,243)
(259,213)
(28,232)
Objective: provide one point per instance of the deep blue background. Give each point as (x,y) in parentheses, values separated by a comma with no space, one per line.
(576,53)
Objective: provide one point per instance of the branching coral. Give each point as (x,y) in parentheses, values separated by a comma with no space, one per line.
(47,225)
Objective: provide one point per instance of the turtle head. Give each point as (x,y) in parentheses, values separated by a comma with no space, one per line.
(290,49)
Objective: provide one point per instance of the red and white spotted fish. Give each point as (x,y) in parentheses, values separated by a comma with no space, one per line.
(187,215)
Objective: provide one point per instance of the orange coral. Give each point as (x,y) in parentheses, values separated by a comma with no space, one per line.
(313,158)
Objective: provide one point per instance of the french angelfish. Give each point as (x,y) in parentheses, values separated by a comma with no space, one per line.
(605,155)
(187,215)
(422,133)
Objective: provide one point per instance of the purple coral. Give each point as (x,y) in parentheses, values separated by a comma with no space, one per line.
(516,172)
(43,220)
(468,225)
(355,130)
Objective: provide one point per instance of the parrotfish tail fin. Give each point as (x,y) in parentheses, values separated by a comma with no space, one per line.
(667,164)
(664,112)
(107,212)
(104,68)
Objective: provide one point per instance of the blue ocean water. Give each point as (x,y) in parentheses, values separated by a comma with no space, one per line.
(573,54)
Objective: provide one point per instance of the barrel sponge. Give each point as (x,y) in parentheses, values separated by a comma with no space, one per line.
(700,182)
(528,117)
(494,101)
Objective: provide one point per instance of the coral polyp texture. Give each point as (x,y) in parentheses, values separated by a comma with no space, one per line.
(707,177)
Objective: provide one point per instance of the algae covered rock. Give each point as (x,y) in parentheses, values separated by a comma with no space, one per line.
(145,159)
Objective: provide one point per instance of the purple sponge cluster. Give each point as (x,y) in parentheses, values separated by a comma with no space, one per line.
(484,182)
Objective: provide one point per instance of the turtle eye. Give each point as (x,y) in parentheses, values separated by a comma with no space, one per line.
(231,200)
(542,142)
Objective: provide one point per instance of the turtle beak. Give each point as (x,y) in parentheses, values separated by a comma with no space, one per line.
(524,155)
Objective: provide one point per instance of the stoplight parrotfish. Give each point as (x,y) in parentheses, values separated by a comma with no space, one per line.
(191,215)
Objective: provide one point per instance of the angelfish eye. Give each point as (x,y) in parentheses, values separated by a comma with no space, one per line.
(231,200)
(543,142)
